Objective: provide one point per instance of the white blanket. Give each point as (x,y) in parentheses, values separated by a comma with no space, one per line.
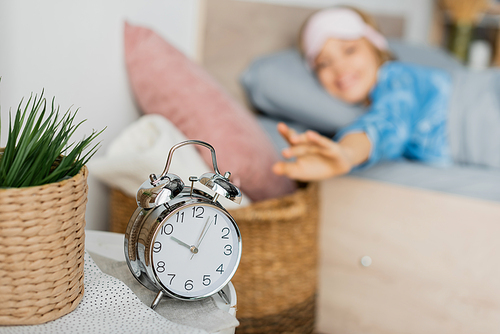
(142,149)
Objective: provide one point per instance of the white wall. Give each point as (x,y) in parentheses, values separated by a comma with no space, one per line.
(418,13)
(74,50)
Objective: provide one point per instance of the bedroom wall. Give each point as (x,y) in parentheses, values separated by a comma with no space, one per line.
(73,50)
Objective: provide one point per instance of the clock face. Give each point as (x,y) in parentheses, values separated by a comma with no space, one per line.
(196,251)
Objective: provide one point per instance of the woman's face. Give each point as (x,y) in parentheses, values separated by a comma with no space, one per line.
(348,69)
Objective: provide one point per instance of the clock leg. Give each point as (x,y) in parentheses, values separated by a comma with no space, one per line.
(224,297)
(157,299)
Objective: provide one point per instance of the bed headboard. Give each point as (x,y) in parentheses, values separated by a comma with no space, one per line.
(235,32)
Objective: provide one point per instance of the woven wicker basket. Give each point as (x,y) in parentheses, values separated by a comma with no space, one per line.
(277,277)
(42,250)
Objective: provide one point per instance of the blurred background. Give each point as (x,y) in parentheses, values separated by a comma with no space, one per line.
(74,50)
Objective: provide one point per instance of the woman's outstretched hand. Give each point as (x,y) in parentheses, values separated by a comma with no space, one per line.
(318,157)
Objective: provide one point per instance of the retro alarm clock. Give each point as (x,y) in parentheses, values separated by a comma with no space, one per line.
(180,241)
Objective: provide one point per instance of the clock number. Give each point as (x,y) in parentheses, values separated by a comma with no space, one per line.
(167,229)
(197,209)
(188,285)
(160,266)
(206,280)
(225,236)
(228,250)
(173,275)
(181,216)
(157,247)
(215,219)
(220,269)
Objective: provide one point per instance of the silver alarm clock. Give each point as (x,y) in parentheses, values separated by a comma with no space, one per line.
(180,241)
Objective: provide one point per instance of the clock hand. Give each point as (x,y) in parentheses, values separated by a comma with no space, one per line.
(202,231)
(193,249)
(203,235)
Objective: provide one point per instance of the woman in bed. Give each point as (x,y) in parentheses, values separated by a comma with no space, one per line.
(408,105)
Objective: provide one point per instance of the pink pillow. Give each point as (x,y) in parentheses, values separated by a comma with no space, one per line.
(166,82)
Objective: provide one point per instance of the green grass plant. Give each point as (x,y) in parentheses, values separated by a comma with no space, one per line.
(38,149)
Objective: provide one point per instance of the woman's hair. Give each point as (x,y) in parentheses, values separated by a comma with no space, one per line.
(383,55)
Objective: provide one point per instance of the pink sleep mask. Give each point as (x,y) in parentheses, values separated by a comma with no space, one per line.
(341,23)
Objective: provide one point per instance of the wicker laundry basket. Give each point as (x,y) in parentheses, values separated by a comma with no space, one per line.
(42,250)
(277,277)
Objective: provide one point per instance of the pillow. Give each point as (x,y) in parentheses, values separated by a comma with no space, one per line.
(282,86)
(166,82)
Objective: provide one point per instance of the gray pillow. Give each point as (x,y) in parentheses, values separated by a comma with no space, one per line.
(281,85)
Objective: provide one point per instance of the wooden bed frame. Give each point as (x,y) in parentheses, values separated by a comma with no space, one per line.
(433,255)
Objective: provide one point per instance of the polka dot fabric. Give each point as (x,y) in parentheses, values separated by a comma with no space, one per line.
(108,306)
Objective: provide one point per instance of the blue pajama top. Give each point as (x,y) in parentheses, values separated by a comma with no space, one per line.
(407,116)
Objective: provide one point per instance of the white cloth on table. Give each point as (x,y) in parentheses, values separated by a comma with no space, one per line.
(142,149)
(108,306)
(203,314)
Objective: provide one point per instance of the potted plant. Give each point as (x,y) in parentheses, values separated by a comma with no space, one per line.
(43,194)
